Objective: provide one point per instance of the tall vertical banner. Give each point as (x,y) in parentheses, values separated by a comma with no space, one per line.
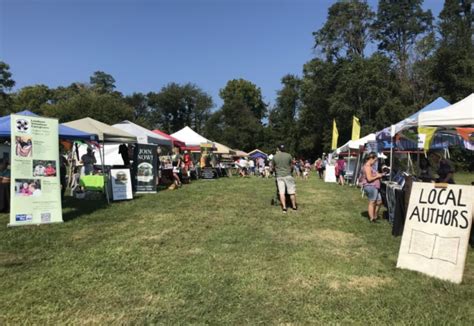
(145,161)
(355,128)
(35,183)
(437,227)
(335,135)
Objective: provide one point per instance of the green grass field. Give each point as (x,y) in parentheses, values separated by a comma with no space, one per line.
(216,252)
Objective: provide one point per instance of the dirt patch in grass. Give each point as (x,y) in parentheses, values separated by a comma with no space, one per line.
(9,259)
(82,234)
(359,283)
(340,238)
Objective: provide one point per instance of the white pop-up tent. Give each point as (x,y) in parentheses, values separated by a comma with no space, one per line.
(355,144)
(457,115)
(190,137)
(144,136)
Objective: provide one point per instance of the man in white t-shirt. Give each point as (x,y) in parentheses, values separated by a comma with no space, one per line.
(251,166)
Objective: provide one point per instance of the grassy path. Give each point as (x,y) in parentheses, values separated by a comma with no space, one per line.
(216,252)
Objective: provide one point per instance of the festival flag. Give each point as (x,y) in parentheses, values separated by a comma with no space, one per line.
(335,134)
(425,135)
(355,128)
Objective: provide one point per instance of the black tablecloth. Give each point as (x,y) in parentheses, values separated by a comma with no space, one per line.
(4,197)
(394,199)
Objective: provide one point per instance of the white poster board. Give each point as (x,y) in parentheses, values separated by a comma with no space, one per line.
(330,173)
(437,228)
(121,182)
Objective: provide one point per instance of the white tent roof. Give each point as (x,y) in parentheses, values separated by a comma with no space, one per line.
(355,144)
(105,132)
(459,114)
(190,137)
(144,136)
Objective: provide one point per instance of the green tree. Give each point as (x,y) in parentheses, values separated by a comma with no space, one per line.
(346,31)
(102,82)
(236,126)
(141,109)
(398,26)
(247,93)
(238,123)
(6,84)
(107,108)
(176,106)
(314,123)
(32,98)
(453,66)
(282,120)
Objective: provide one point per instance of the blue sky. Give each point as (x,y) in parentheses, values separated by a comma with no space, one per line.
(146,44)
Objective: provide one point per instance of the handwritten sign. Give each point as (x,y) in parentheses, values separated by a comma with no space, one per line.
(437,227)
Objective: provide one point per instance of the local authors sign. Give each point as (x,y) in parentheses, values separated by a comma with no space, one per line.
(437,228)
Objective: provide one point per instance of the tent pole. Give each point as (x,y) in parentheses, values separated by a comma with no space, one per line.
(349,162)
(391,158)
(106,177)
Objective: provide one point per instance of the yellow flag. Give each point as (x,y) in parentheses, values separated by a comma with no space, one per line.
(425,135)
(335,134)
(355,128)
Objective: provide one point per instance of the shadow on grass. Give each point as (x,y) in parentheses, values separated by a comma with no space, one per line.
(74,208)
(365,214)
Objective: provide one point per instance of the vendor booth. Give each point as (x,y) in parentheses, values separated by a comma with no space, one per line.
(446,123)
(145,155)
(64,133)
(106,134)
(201,148)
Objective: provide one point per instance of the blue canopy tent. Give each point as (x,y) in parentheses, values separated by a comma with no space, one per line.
(256,153)
(440,140)
(65,132)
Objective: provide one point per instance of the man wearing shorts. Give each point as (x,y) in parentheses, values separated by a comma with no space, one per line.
(282,163)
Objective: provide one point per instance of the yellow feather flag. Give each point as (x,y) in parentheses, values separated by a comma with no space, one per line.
(355,128)
(425,136)
(335,134)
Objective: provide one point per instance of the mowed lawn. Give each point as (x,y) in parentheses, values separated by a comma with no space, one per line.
(216,252)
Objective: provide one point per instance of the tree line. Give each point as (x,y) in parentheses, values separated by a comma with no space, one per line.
(380,66)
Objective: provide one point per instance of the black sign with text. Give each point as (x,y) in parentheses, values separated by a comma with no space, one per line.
(144,168)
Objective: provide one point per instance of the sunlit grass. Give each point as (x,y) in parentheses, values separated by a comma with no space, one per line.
(217,252)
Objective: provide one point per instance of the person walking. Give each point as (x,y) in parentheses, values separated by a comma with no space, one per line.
(370,180)
(282,164)
(340,170)
(319,166)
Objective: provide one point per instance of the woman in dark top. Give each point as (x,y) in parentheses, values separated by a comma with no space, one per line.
(444,170)
(425,170)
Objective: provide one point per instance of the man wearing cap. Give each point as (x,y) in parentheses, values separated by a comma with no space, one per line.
(282,163)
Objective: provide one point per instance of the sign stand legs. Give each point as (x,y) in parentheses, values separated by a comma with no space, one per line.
(106,176)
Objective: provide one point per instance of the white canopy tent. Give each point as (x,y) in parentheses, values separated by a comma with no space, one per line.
(144,136)
(190,137)
(355,144)
(459,114)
